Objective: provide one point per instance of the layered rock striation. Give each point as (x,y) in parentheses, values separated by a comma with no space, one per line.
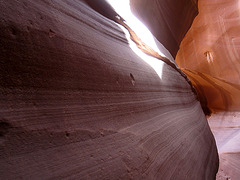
(77,103)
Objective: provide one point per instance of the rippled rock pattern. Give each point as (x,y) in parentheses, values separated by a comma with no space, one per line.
(78,103)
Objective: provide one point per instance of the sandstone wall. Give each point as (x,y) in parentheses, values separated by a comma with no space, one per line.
(77,103)
(209,54)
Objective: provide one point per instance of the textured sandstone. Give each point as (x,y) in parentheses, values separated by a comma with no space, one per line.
(77,103)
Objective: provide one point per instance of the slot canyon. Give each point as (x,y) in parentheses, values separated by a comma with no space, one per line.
(84,94)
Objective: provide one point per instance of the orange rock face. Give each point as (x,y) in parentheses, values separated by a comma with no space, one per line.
(210,54)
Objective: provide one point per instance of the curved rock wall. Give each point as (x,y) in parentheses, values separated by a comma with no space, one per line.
(76,102)
(209,54)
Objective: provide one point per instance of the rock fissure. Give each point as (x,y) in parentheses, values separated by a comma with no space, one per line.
(106,10)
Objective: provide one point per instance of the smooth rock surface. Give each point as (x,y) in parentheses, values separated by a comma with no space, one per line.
(77,103)
(226,129)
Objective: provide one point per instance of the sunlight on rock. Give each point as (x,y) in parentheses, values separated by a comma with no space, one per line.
(123,9)
(209,56)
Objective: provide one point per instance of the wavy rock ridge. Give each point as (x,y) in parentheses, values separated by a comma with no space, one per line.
(77,102)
